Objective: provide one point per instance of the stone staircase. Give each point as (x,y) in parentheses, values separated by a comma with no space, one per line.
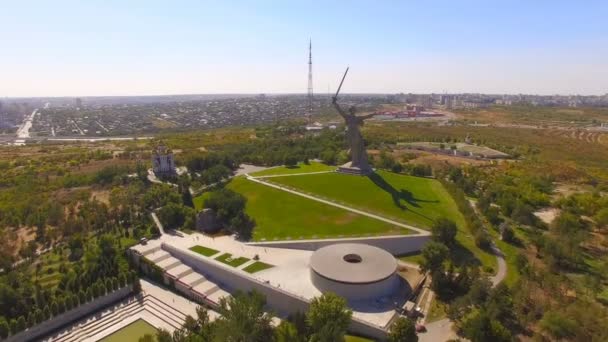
(147,304)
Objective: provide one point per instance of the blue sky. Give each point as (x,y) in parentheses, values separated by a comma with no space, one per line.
(91,47)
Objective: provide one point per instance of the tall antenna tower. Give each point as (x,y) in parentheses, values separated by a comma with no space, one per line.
(309,80)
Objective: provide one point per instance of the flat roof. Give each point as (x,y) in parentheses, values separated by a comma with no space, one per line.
(164,264)
(192,278)
(177,270)
(202,288)
(353,263)
(157,255)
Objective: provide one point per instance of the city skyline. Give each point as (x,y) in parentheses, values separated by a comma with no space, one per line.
(141,48)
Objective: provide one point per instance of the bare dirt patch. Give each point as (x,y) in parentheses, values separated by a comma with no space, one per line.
(102,196)
(547,215)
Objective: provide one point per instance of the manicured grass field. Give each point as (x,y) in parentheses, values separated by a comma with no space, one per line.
(300,168)
(280,215)
(414,200)
(204,250)
(227,259)
(257,267)
(131,332)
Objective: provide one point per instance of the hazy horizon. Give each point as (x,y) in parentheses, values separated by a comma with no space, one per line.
(144,48)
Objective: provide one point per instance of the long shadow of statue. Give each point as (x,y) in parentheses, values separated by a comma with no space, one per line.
(399,196)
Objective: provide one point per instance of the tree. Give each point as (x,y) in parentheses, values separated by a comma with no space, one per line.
(290,160)
(328,318)
(54,308)
(21,324)
(4,328)
(433,255)
(479,327)
(287,332)
(146,338)
(403,330)
(558,326)
(444,230)
(163,335)
(601,217)
(329,157)
(229,209)
(12,324)
(243,319)
(136,285)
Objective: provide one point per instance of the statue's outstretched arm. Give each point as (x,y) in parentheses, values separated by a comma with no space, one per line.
(367,116)
(337,106)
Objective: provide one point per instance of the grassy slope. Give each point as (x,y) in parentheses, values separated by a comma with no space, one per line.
(280,215)
(301,168)
(421,201)
(132,332)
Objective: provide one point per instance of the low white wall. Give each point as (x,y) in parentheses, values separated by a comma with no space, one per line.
(396,244)
(281,302)
(48,326)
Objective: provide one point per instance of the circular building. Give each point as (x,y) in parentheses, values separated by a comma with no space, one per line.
(354,271)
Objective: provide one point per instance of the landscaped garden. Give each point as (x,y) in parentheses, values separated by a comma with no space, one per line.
(227,259)
(206,251)
(300,168)
(132,332)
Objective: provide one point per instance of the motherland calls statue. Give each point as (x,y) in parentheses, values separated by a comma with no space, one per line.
(359,163)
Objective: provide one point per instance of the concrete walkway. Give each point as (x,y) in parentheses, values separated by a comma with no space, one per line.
(157,222)
(356,211)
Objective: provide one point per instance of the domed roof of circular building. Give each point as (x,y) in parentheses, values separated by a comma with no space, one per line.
(353,263)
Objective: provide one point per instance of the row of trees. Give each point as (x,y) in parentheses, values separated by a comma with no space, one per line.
(65,302)
(243,318)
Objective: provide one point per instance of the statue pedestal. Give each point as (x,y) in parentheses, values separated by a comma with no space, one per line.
(354,170)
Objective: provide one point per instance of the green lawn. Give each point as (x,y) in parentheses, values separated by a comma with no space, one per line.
(198,201)
(257,267)
(413,257)
(300,168)
(227,259)
(280,215)
(132,332)
(413,200)
(204,250)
